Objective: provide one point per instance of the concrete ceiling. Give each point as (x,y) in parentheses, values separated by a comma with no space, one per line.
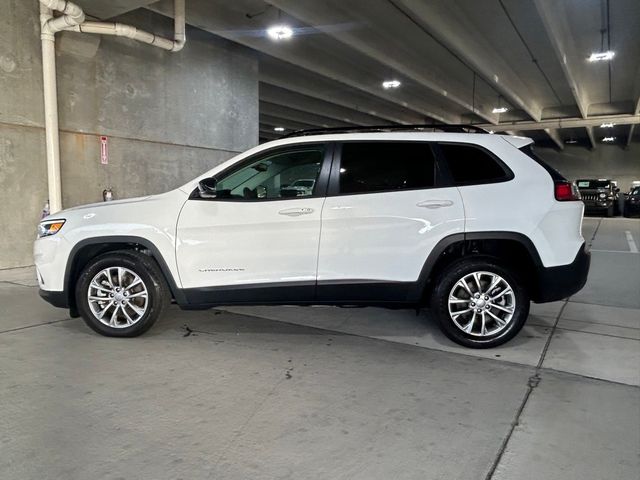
(456,59)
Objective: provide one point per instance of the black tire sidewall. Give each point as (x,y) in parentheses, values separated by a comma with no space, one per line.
(152,280)
(446,281)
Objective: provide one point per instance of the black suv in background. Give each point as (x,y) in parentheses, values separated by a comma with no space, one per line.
(632,202)
(599,195)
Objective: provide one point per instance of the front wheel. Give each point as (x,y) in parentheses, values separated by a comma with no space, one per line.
(478,303)
(121,294)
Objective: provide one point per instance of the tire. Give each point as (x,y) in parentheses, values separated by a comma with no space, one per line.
(143,293)
(493,333)
(610,211)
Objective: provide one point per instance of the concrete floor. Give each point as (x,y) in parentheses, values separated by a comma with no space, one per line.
(328,393)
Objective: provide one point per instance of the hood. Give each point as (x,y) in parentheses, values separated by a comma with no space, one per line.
(93,206)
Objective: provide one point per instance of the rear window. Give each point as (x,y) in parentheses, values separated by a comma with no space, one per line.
(470,165)
(385,166)
(555,175)
(593,183)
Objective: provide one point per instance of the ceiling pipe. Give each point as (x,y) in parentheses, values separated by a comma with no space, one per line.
(73,19)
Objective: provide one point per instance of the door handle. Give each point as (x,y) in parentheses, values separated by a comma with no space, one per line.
(295,212)
(433,204)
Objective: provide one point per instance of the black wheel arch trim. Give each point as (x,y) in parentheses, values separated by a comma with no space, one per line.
(120,239)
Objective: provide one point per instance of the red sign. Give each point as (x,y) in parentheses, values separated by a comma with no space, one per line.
(104,152)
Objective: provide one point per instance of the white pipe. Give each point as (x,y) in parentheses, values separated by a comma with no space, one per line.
(73,18)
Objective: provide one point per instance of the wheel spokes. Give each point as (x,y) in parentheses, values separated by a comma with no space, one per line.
(117,297)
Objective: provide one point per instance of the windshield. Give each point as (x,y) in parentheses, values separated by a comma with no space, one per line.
(593,183)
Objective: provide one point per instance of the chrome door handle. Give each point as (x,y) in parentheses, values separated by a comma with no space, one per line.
(296,212)
(433,204)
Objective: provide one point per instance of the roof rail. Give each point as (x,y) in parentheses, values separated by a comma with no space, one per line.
(455,128)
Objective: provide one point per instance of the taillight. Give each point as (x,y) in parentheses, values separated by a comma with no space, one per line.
(566,191)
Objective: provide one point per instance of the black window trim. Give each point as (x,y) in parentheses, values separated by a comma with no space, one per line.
(442,159)
(319,190)
(334,177)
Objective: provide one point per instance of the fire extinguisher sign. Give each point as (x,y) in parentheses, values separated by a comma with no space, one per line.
(104,151)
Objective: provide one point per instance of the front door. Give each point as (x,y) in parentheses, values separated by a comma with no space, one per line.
(257,240)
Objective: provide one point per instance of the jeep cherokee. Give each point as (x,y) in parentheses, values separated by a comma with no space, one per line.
(472,225)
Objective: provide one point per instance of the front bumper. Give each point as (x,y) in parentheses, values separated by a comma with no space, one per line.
(557,283)
(57,299)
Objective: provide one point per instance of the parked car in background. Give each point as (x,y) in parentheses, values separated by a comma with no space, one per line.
(599,195)
(632,202)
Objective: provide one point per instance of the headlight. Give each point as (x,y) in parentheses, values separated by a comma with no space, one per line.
(49,227)
(603,195)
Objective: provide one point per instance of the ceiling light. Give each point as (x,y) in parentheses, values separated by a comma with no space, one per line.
(571,141)
(608,139)
(607,125)
(601,56)
(500,110)
(491,132)
(278,129)
(280,32)
(391,84)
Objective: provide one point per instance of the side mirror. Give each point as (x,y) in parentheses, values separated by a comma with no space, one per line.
(617,190)
(207,187)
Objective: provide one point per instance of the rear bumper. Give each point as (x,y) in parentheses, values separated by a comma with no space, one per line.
(557,283)
(57,299)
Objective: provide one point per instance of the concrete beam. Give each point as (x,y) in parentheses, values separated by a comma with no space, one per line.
(319,55)
(383,45)
(294,115)
(298,80)
(280,96)
(592,139)
(555,136)
(273,122)
(460,35)
(556,23)
(630,136)
(561,123)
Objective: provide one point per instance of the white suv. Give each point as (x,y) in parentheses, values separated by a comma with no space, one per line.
(471,224)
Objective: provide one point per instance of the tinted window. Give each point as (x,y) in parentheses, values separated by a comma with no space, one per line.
(593,183)
(555,175)
(470,165)
(277,175)
(385,166)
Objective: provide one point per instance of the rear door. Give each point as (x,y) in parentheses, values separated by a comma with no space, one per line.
(384,213)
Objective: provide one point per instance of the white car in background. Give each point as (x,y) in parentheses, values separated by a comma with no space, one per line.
(472,225)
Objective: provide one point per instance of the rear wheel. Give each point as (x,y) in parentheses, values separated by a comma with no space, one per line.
(121,294)
(479,303)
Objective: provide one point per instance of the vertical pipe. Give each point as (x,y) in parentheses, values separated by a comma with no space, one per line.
(51,113)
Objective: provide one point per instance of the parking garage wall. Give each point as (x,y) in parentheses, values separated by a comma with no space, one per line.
(605,161)
(168,116)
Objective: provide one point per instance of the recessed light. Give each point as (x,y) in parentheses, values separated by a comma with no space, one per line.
(608,139)
(571,141)
(278,129)
(280,32)
(607,125)
(500,110)
(391,84)
(601,56)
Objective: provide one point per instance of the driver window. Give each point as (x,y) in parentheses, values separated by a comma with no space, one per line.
(293,173)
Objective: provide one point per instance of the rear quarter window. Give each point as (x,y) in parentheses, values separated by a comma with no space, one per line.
(473,165)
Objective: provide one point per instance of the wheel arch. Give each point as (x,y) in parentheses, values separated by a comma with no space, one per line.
(512,248)
(89,248)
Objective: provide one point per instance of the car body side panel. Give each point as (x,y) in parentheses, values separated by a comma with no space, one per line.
(152,218)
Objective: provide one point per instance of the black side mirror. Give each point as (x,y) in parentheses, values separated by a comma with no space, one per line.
(207,187)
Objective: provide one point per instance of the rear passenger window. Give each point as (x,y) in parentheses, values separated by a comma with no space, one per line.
(471,165)
(385,166)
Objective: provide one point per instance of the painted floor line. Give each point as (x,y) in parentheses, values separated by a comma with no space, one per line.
(632,243)
(613,251)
